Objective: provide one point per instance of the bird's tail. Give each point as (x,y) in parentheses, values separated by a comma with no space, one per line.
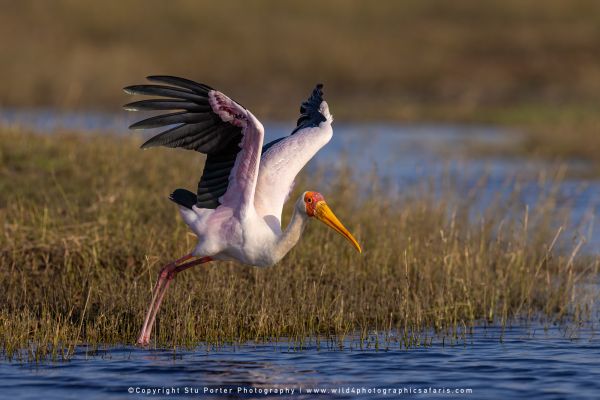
(184,198)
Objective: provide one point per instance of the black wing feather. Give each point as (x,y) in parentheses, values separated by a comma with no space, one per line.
(166,91)
(310,116)
(180,117)
(161,104)
(181,82)
(216,170)
(197,128)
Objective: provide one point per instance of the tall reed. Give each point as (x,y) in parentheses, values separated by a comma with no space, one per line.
(86,225)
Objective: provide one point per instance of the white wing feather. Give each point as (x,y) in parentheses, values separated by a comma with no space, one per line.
(282,162)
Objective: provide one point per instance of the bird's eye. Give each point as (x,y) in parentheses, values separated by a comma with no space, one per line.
(309,200)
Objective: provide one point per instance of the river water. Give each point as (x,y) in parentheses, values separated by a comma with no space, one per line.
(521,362)
(516,363)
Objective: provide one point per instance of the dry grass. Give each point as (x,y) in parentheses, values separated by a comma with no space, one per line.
(86,226)
(512,62)
(409,59)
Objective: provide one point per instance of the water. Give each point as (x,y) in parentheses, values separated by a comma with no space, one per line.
(515,364)
(532,363)
(403,157)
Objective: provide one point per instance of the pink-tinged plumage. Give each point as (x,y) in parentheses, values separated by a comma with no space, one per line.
(244,223)
(242,180)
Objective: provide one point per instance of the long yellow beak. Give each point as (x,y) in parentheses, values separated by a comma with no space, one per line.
(324,214)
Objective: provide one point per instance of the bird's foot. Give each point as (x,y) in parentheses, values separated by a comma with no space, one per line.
(143,341)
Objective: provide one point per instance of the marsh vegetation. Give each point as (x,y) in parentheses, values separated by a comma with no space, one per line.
(86,225)
(514,63)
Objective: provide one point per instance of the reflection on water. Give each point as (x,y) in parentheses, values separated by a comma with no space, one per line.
(516,363)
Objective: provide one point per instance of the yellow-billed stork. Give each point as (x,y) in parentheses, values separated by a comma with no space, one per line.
(236,211)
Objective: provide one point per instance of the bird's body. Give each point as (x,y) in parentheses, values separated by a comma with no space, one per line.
(248,239)
(255,236)
(236,211)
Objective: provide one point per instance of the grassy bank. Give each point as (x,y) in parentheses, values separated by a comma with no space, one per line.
(516,63)
(86,226)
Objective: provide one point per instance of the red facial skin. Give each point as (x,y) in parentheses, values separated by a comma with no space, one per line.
(310,201)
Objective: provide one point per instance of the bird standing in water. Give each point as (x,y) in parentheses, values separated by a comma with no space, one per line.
(236,211)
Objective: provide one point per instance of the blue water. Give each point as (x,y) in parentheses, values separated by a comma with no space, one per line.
(532,363)
(404,157)
(515,364)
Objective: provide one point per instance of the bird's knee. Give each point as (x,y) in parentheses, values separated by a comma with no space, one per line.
(168,272)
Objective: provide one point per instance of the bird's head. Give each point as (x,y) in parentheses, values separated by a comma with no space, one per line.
(314,205)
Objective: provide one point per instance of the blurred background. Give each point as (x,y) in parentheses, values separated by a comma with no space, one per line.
(514,61)
(466,159)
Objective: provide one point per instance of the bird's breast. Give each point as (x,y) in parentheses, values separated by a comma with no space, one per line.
(257,243)
(250,241)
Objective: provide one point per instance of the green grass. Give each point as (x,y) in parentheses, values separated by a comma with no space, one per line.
(87,225)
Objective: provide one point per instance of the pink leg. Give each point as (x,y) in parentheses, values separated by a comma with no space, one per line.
(162,277)
(166,275)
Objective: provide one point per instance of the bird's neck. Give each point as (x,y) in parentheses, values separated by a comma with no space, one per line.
(291,234)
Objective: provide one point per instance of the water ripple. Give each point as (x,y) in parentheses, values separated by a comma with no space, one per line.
(542,366)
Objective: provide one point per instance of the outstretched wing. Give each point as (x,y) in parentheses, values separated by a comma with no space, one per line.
(211,123)
(283,158)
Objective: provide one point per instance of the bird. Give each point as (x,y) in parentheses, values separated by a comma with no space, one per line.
(235,212)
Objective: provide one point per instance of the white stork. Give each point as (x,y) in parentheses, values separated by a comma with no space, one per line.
(236,211)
